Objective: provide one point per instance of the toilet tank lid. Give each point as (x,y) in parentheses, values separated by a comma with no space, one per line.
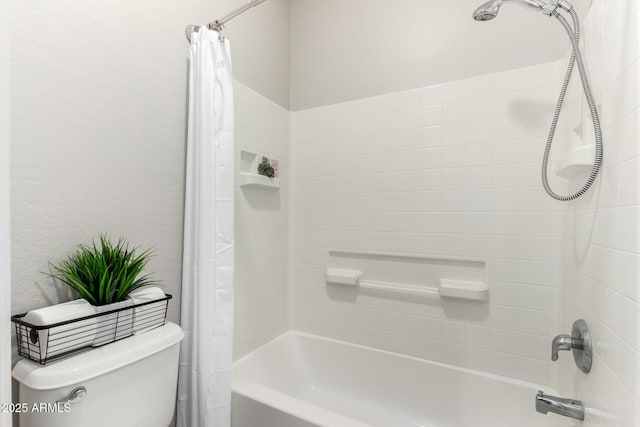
(98,361)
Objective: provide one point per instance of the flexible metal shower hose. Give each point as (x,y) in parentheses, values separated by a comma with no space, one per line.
(574,36)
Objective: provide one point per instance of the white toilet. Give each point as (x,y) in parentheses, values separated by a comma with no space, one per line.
(130,383)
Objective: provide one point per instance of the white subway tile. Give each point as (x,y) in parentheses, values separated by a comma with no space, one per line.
(631,85)
(628,368)
(505,270)
(504,317)
(507,176)
(535,224)
(506,152)
(536,248)
(453,332)
(629,173)
(611,65)
(453,354)
(430,349)
(504,341)
(466,201)
(530,176)
(533,370)
(478,336)
(454,156)
(539,298)
(430,116)
(478,359)
(534,322)
(466,177)
(505,294)
(629,229)
(479,87)
(629,321)
(629,33)
(506,200)
(505,223)
(455,91)
(533,346)
(480,108)
(505,247)
(628,137)
(455,134)
(629,275)
(479,131)
(431,95)
(504,364)
(454,112)
(508,130)
(466,223)
(535,272)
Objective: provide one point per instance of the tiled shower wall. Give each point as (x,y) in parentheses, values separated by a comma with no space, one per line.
(601,233)
(445,171)
(260,280)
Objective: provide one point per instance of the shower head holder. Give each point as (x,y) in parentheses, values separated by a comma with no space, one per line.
(549,8)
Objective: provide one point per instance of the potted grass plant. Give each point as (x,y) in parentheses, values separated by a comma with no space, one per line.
(104,274)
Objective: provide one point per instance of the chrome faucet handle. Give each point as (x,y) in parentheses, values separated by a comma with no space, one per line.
(565,342)
(579,342)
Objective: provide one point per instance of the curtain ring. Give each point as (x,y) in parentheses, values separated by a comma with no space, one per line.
(217,26)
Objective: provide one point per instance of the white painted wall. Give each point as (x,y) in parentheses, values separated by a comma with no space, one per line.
(346,50)
(260,46)
(261,226)
(5,237)
(449,170)
(99,119)
(601,238)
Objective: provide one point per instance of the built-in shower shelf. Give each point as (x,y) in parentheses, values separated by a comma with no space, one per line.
(255,180)
(250,162)
(576,162)
(464,289)
(401,275)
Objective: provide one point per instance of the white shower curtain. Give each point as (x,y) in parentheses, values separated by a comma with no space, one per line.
(204,389)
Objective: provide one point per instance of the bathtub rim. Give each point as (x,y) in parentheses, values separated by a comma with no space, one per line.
(490,375)
(312,413)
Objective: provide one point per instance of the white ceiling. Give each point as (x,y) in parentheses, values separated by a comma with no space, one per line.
(349,49)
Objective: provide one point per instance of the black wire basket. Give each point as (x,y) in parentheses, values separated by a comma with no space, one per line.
(44,343)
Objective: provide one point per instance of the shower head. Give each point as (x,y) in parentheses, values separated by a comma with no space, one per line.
(490,9)
(487,11)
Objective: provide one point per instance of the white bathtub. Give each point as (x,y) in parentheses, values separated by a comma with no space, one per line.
(301,380)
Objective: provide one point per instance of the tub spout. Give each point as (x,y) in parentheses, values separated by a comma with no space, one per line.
(558,405)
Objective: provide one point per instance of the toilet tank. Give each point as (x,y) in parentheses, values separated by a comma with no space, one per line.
(130,383)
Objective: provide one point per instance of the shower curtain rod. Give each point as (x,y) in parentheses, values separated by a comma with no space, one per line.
(218,24)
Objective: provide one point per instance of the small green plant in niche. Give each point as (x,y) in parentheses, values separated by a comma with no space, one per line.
(266,169)
(104,273)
